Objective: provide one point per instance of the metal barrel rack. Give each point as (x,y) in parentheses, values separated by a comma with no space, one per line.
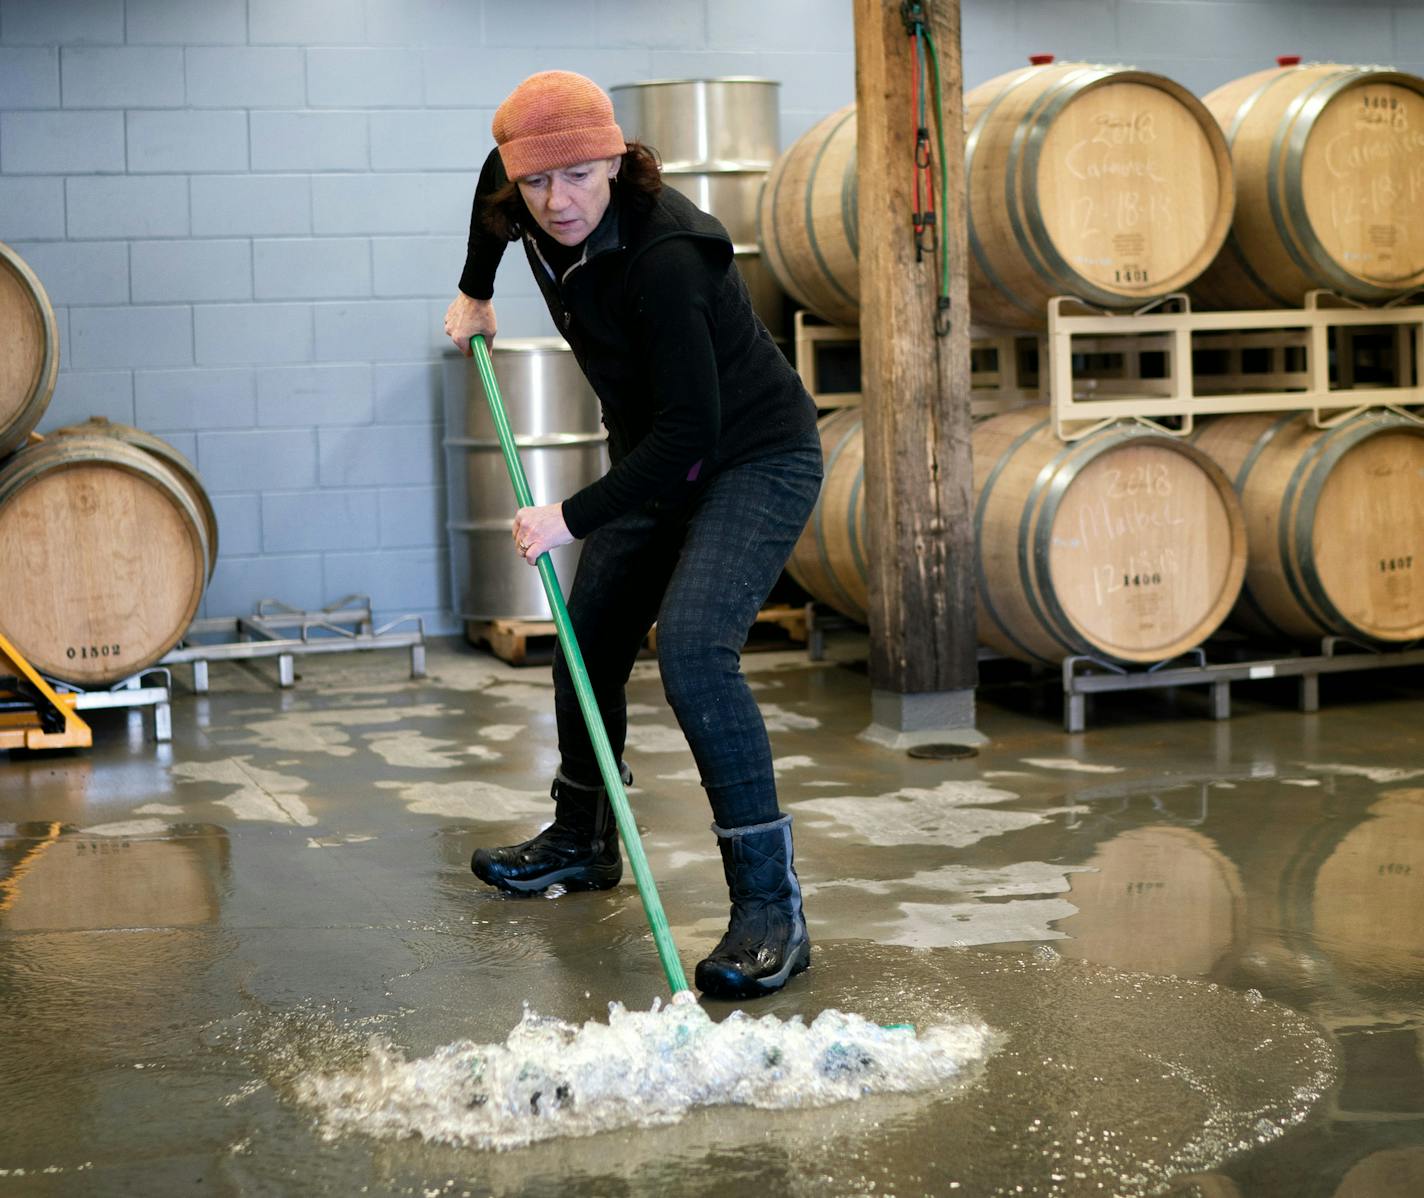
(152,687)
(1084,676)
(276,629)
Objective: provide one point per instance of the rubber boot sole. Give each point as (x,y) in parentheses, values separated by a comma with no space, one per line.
(573,877)
(725,982)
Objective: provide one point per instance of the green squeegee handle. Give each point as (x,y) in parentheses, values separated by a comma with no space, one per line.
(607,765)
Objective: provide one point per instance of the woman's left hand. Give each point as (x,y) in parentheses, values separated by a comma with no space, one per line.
(539,529)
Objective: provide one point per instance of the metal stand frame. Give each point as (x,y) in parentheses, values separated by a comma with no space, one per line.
(152,687)
(1002,366)
(341,627)
(1084,676)
(1298,343)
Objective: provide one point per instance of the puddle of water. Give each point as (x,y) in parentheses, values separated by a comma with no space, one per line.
(407,748)
(1071,765)
(260,795)
(949,815)
(474,799)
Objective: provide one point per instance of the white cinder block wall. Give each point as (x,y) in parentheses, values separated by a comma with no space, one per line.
(250,214)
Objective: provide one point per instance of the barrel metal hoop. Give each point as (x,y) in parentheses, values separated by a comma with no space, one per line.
(1061,271)
(1028,560)
(1282,146)
(1062,480)
(1248,597)
(493,524)
(1348,284)
(1244,109)
(1232,244)
(852,527)
(986,598)
(850,204)
(1351,435)
(820,515)
(1238,484)
(815,244)
(1249,462)
(530,441)
(976,245)
(798,284)
(1023,164)
(1291,572)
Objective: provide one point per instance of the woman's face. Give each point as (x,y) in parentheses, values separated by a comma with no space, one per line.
(569,202)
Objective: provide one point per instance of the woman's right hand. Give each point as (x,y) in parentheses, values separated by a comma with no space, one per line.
(465,317)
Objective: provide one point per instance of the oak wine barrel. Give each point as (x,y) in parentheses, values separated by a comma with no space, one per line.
(1329,166)
(807,223)
(1101,182)
(1127,544)
(29,350)
(829,560)
(105,553)
(1334,522)
(99,426)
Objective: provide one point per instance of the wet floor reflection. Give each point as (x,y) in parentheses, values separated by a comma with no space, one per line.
(179,939)
(1088,1087)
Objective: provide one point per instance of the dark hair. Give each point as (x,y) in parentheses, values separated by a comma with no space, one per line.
(639,181)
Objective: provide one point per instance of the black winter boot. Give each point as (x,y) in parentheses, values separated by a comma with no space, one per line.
(766,942)
(579,850)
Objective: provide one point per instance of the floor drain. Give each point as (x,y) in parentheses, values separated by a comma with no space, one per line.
(944,752)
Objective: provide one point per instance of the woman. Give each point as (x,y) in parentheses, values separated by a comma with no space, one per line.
(716,465)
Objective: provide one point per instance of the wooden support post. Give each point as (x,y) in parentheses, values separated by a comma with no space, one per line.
(916,386)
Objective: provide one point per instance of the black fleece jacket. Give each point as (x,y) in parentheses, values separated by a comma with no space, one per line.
(659,318)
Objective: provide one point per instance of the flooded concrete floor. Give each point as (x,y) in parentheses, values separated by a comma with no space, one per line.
(1201,944)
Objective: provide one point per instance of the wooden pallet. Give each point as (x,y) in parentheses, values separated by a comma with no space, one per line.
(519,642)
(775,628)
(531,642)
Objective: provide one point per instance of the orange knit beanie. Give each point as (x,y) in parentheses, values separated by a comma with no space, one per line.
(554,119)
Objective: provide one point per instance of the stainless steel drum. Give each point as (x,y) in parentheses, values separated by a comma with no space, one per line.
(730,196)
(717,139)
(555,418)
(727,124)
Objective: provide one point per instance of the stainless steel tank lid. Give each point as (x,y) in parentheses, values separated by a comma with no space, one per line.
(617,87)
(530,345)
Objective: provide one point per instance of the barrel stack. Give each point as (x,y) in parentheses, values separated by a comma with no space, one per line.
(106,531)
(1117,187)
(1329,167)
(716,139)
(1102,182)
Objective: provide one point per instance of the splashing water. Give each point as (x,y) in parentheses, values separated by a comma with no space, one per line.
(551,1078)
